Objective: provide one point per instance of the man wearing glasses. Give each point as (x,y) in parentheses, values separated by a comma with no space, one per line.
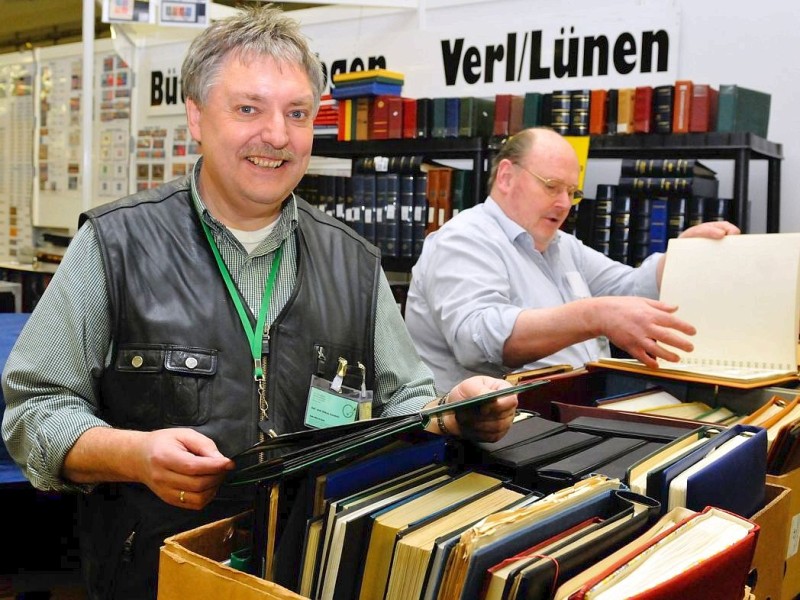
(500,288)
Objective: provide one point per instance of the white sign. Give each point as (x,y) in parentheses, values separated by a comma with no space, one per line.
(507,47)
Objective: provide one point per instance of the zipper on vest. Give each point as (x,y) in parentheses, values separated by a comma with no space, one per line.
(127,547)
(321,359)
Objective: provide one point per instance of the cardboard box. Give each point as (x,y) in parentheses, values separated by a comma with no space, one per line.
(791,580)
(190,565)
(767,570)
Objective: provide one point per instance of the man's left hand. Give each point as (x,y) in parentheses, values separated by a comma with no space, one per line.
(488,422)
(715,230)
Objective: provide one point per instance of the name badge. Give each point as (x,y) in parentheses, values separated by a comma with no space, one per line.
(326,407)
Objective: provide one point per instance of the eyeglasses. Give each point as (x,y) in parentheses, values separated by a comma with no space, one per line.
(556,187)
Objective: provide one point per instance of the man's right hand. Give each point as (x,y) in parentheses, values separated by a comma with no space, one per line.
(640,326)
(181,466)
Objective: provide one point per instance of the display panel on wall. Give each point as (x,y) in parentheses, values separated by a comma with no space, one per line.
(16,158)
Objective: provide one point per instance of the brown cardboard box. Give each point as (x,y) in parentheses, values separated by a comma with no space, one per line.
(791,580)
(190,564)
(190,567)
(768,562)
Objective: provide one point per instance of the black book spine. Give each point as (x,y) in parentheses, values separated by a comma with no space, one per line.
(420,215)
(560,111)
(407,216)
(424,117)
(391,216)
(579,112)
(601,222)
(612,110)
(381,196)
(357,213)
(678,212)
(369,207)
(619,243)
(663,101)
(640,230)
(669,186)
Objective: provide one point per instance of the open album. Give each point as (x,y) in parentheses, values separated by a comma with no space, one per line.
(324,446)
(742,293)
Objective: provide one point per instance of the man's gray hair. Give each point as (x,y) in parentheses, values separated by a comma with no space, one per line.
(254,32)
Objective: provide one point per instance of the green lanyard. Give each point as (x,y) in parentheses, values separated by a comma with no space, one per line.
(255,337)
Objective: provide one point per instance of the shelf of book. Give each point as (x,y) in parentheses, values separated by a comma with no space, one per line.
(739,147)
(429,148)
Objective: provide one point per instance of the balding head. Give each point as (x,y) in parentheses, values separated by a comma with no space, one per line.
(528,144)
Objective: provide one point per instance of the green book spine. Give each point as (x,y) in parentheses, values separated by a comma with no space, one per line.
(438,126)
(466,118)
(459,177)
(532,110)
(742,109)
(726,107)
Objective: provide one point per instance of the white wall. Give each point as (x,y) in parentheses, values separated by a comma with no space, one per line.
(753,44)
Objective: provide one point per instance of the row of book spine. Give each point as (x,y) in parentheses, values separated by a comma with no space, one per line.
(628,229)
(680,108)
(654,201)
(393,210)
(685,107)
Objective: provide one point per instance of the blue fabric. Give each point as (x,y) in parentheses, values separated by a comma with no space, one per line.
(10,326)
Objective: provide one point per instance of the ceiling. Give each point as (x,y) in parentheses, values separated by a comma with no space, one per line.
(35,23)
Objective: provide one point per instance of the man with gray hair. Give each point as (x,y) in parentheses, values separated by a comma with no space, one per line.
(501,288)
(187,321)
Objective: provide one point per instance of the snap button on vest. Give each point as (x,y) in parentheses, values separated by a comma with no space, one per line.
(137,361)
(191,362)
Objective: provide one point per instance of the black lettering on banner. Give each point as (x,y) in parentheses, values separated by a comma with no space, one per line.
(573,56)
(650,39)
(624,47)
(164,89)
(156,89)
(590,45)
(570,67)
(341,65)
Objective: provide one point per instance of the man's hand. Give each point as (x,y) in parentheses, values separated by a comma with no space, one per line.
(715,230)
(640,325)
(182,467)
(488,422)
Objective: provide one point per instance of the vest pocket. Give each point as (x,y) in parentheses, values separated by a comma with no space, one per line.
(165,385)
(327,355)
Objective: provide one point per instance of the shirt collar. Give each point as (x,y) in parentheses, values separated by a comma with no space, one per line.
(287,220)
(511,229)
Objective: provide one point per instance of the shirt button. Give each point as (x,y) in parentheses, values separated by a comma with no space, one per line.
(137,361)
(191,362)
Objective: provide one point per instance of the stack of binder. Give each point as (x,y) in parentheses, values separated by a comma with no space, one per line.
(388,513)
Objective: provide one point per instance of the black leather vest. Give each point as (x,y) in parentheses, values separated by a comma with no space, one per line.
(180,358)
